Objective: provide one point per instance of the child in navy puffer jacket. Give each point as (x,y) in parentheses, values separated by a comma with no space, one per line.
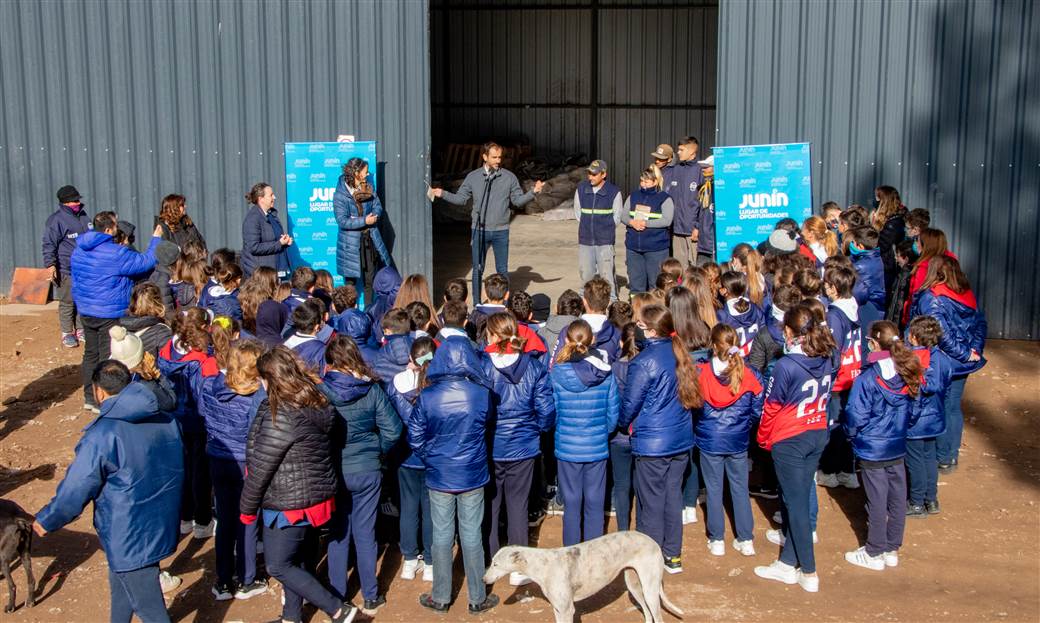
(922,465)
(587,407)
(523,403)
(411,475)
(733,396)
(746,318)
(221,298)
(877,417)
(227,403)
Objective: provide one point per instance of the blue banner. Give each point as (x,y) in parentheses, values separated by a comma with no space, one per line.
(756,186)
(311,173)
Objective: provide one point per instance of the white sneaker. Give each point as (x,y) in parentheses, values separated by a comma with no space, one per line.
(427,574)
(891,559)
(777,537)
(827,480)
(849,481)
(689,515)
(204,532)
(778,517)
(809,583)
(518,579)
(410,568)
(168,581)
(717,548)
(746,548)
(186,527)
(778,571)
(861,558)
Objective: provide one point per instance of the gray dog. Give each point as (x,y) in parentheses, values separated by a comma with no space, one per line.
(569,574)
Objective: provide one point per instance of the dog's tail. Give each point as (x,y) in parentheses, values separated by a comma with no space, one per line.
(674,609)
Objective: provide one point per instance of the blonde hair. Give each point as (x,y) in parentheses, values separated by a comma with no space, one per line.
(579,340)
(147,369)
(815,229)
(653,174)
(242,377)
(726,346)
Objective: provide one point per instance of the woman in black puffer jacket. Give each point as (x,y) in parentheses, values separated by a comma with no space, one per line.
(889,221)
(290,480)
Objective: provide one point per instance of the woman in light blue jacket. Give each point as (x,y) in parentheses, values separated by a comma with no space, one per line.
(587,406)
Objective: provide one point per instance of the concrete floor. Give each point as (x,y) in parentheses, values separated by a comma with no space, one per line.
(543,256)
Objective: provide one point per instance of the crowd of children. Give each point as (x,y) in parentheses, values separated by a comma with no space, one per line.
(838,346)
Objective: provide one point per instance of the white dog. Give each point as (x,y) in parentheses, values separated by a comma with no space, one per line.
(569,574)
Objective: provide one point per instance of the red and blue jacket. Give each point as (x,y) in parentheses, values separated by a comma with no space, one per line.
(181,365)
(724,423)
(843,321)
(747,324)
(929,411)
(963,325)
(796,397)
(879,412)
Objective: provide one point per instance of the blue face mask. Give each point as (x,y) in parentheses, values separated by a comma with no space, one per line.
(917,248)
(853,249)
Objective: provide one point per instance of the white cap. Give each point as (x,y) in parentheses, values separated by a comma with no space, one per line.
(127,348)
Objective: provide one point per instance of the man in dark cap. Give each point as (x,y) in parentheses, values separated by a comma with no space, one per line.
(597,206)
(63,227)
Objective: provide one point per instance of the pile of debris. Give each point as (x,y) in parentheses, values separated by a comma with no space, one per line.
(561,174)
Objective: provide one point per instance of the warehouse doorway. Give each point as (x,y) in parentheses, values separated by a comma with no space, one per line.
(560,84)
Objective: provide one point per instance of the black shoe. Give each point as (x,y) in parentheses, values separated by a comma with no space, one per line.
(915,511)
(489,602)
(346,613)
(765,493)
(254,588)
(371,605)
(535,517)
(223,591)
(932,506)
(426,601)
(673,565)
(948,468)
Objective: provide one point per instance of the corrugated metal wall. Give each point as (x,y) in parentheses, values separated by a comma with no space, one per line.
(937,98)
(526,69)
(132,100)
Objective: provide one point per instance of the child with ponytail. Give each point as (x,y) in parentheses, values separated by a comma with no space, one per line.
(221,298)
(877,418)
(745,259)
(818,242)
(732,394)
(739,312)
(922,466)
(522,396)
(794,428)
(416,529)
(660,390)
(587,402)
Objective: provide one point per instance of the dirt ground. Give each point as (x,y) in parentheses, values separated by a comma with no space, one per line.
(976,561)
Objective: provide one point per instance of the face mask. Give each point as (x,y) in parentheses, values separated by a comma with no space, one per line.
(917,248)
(640,336)
(788,347)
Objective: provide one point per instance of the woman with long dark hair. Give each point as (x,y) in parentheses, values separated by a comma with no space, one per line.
(290,481)
(360,251)
(177,226)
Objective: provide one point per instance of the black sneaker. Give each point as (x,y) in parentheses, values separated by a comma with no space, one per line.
(371,605)
(948,468)
(489,602)
(426,601)
(254,588)
(673,564)
(764,492)
(932,506)
(346,613)
(535,517)
(916,511)
(223,591)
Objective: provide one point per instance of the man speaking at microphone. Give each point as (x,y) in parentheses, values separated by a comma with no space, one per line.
(492,190)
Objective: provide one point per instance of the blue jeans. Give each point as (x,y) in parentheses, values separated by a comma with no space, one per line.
(643,269)
(355,520)
(621,469)
(796,460)
(735,469)
(469,507)
(659,500)
(583,487)
(235,542)
(415,514)
(285,553)
(923,470)
(136,592)
(499,242)
(948,444)
(691,480)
